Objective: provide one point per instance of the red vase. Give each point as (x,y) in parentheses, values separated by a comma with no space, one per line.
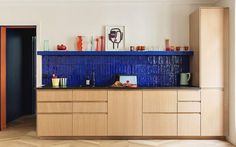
(79,43)
(102,43)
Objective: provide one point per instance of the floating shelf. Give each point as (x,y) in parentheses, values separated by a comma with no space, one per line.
(115,53)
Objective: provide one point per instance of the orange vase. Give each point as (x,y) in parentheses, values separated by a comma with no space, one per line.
(102,43)
(79,43)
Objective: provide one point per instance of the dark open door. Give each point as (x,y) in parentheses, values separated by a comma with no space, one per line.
(8,104)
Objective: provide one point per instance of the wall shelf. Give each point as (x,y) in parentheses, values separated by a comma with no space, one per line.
(115,53)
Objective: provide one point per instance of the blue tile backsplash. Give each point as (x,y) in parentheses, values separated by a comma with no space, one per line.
(151,71)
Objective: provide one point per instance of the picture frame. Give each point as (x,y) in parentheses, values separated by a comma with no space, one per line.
(115,38)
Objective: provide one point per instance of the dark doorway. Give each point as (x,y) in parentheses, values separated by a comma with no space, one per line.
(20,72)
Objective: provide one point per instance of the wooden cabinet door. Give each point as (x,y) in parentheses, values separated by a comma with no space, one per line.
(160,101)
(54,124)
(212,112)
(89,124)
(159,124)
(188,124)
(125,113)
(212,47)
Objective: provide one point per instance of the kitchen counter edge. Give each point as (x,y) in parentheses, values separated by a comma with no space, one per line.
(118,88)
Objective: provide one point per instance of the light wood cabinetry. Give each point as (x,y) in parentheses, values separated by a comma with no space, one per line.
(212,47)
(87,107)
(160,124)
(54,95)
(134,113)
(189,95)
(54,112)
(207,40)
(90,125)
(212,112)
(89,95)
(124,113)
(54,124)
(189,125)
(189,107)
(159,101)
(90,113)
(56,107)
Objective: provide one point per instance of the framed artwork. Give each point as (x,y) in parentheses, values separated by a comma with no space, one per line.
(115,38)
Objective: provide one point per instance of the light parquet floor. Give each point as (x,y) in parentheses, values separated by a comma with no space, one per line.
(21,133)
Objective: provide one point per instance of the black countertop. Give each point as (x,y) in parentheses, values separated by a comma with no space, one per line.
(108,87)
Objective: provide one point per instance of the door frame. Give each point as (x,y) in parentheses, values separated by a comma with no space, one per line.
(3,31)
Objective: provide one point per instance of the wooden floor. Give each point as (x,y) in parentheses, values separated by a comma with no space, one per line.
(21,133)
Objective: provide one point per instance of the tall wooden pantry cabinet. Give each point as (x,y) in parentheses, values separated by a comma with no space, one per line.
(209,67)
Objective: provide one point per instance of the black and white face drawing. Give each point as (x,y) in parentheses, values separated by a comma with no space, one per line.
(115,36)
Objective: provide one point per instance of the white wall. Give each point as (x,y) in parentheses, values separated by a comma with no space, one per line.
(147,22)
(232,55)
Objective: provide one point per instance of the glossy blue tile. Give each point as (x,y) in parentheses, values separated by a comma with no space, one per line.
(150,70)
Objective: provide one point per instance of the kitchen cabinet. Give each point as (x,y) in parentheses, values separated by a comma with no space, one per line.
(189,125)
(159,124)
(89,107)
(89,95)
(55,107)
(186,107)
(212,47)
(160,101)
(54,95)
(135,112)
(212,112)
(125,113)
(89,124)
(54,124)
(189,95)
(209,41)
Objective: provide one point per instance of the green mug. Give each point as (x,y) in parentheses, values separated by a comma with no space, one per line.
(184,79)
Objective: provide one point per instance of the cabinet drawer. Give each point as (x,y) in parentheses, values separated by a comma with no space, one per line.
(90,125)
(189,95)
(54,95)
(55,107)
(160,124)
(160,101)
(54,124)
(188,124)
(90,107)
(189,107)
(90,95)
